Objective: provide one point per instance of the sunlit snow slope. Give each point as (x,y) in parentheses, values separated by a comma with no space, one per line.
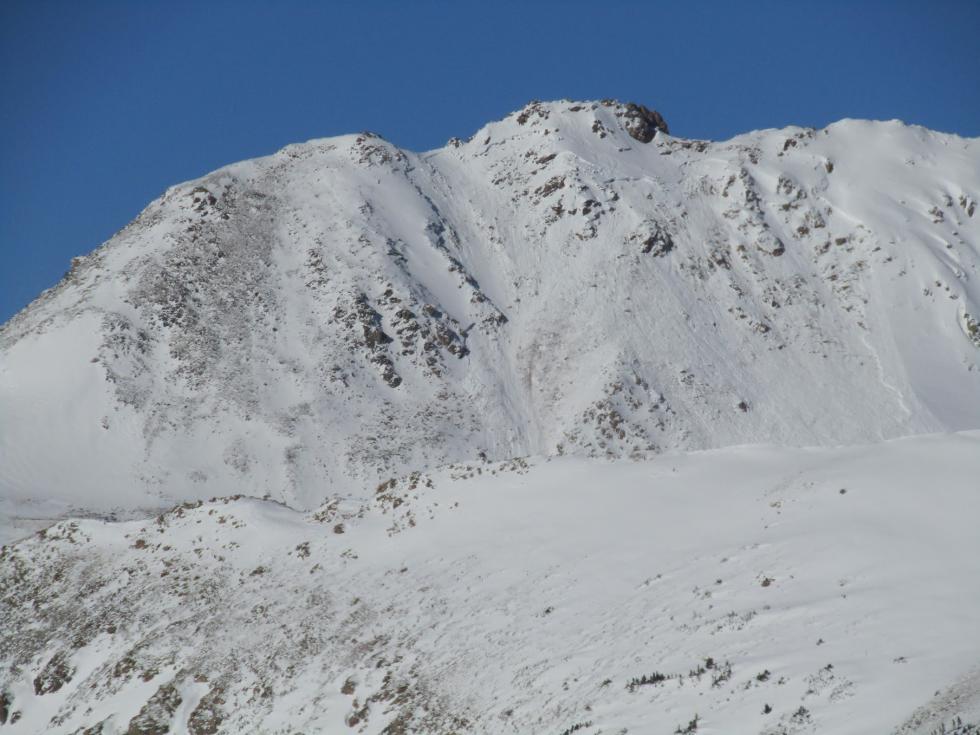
(571,280)
(746,590)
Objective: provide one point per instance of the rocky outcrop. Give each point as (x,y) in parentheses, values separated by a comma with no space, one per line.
(642,123)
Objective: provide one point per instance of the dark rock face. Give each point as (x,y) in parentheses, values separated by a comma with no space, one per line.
(155,716)
(56,674)
(643,123)
(659,243)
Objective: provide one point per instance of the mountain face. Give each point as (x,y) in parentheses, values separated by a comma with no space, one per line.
(428,428)
(572,280)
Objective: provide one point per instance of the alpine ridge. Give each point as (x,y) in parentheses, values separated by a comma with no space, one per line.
(570,280)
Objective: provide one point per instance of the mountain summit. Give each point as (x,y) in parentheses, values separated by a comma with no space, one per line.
(570,280)
(340,358)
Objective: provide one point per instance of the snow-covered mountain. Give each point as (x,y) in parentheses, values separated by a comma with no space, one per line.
(570,280)
(458,442)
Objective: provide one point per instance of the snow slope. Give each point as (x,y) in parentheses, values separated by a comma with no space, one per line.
(343,311)
(777,590)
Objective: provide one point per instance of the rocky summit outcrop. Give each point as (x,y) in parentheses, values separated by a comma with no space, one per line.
(571,280)
(643,123)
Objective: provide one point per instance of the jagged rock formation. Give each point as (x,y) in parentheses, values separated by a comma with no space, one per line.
(570,280)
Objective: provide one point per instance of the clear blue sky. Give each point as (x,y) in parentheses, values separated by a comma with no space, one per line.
(105,104)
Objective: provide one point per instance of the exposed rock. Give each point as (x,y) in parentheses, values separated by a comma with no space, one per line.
(658,243)
(208,715)
(56,673)
(643,123)
(155,716)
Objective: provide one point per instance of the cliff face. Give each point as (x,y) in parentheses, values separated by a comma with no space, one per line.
(570,280)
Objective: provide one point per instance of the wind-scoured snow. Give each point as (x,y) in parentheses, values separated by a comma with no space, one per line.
(750,590)
(345,310)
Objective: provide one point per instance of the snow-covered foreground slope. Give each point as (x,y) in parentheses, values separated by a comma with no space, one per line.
(747,590)
(571,280)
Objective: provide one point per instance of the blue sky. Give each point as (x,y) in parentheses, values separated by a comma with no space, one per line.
(105,104)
